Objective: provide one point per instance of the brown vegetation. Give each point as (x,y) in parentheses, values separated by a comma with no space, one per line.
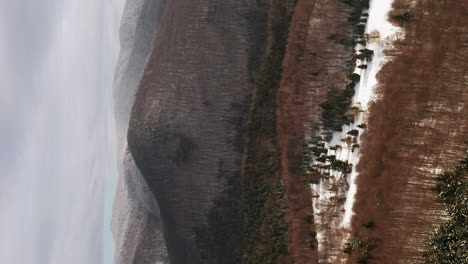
(315,64)
(301,245)
(263,192)
(418,126)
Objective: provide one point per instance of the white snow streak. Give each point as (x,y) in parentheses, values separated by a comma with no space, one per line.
(380,34)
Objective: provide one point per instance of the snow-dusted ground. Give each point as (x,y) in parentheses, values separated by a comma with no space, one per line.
(366,88)
(337,186)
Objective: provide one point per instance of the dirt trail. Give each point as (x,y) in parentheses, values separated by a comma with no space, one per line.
(415,130)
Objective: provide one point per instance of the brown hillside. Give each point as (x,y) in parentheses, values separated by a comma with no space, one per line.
(418,126)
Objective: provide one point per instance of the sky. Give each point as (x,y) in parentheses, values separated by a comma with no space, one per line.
(57,131)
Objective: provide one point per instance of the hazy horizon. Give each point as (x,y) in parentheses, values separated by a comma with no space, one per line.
(58,133)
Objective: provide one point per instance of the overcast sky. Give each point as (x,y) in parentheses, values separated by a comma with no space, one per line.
(57,135)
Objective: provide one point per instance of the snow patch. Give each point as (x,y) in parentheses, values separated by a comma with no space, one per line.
(337,185)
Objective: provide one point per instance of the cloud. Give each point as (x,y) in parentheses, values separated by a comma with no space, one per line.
(57,136)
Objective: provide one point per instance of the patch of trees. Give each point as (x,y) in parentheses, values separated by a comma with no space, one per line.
(358,4)
(326,162)
(263,196)
(219,240)
(334,110)
(449,242)
(342,166)
(357,17)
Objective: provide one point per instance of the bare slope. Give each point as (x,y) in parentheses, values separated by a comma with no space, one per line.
(415,131)
(185,126)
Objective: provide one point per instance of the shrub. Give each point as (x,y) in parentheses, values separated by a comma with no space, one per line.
(349,91)
(379,195)
(363,126)
(342,166)
(403,17)
(362,42)
(354,17)
(321,159)
(368,245)
(364,259)
(312,244)
(327,135)
(345,42)
(360,57)
(331,158)
(367,54)
(353,132)
(354,147)
(369,224)
(320,144)
(348,248)
(362,66)
(332,36)
(351,244)
(309,218)
(318,151)
(358,4)
(336,147)
(354,77)
(371,246)
(360,29)
(316,139)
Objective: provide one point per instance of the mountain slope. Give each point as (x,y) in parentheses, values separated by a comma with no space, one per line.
(135,219)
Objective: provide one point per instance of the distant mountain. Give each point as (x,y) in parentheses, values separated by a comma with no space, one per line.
(136,225)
